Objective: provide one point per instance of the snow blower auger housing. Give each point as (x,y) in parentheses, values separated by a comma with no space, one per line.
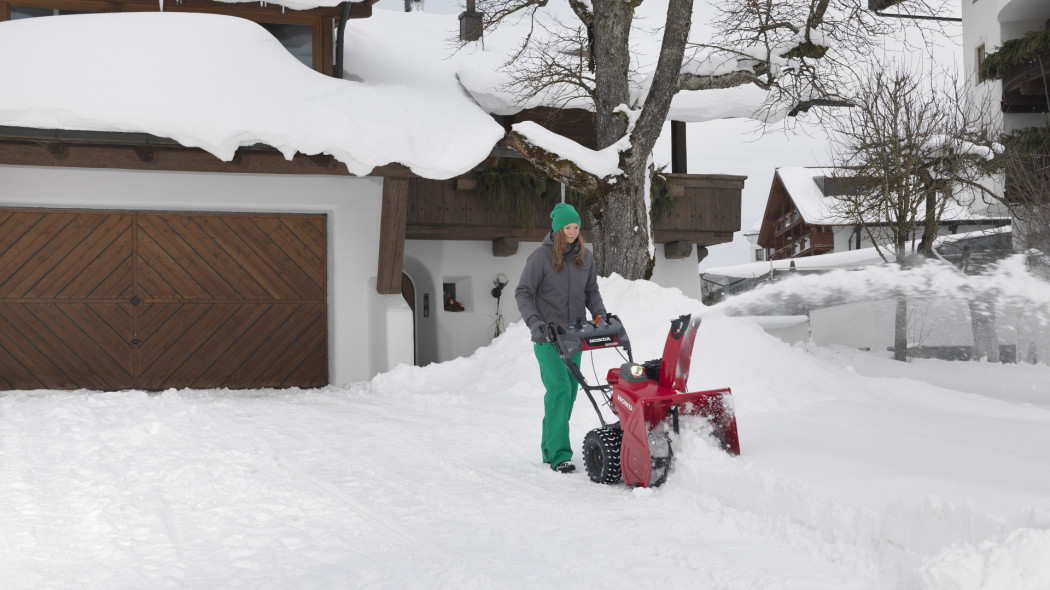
(647,398)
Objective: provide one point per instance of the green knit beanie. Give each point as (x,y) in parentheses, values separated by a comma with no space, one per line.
(563,214)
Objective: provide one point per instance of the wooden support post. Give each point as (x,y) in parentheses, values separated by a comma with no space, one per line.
(677,250)
(678,151)
(392,236)
(504,246)
(471,25)
(327,45)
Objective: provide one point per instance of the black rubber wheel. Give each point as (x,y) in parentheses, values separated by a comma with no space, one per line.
(661,456)
(601,455)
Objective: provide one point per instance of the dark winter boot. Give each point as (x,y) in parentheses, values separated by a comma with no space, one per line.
(565,467)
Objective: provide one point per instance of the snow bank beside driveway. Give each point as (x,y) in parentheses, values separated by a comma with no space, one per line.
(853,476)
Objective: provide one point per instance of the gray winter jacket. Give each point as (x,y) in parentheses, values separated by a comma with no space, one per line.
(562,297)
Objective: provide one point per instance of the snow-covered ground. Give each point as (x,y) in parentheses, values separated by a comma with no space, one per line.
(856,472)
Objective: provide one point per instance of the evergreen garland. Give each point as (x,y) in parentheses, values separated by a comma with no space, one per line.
(1015,52)
(516,185)
(663,204)
(513,184)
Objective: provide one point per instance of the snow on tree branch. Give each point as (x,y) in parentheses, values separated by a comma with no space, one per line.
(566,161)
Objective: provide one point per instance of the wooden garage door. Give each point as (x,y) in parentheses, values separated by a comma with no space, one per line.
(119,300)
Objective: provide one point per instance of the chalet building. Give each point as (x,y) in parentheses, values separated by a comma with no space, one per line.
(801,219)
(1016,93)
(794,223)
(133,259)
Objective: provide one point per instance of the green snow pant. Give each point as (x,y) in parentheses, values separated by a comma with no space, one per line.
(557,403)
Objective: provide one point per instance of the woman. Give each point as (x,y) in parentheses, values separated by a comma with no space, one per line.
(558,285)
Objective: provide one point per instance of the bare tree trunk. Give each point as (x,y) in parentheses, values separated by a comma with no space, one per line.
(621,229)
(929,225)
(985,337)
(619,216)
(612,59)
(900,330)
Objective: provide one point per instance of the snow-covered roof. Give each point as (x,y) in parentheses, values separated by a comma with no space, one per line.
(816,208)
(848,259)
(837,260)
(980,233)
(813,205)
(220,82)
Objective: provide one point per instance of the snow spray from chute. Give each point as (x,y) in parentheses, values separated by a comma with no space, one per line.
(1016,286)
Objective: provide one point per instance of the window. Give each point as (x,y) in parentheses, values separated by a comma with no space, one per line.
(297,39)
(980,61)
(760,255)
(455,293)
(29,12)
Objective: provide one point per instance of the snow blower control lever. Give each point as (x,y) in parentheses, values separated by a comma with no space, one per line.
(648,398)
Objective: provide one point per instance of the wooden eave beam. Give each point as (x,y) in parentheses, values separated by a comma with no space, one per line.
(883,4)
(267,12)
(420,231)
(142,151)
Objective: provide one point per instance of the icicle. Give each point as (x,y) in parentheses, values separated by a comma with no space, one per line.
(160,3)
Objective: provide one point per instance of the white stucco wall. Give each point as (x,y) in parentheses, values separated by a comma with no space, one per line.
(351,204)
(681,273)
(442,335)
(980,27)
(389,329)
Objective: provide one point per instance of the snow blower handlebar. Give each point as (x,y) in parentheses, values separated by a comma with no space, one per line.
(569,340)
(604,332)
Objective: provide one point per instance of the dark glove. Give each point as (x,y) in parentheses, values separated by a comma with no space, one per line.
(540,331)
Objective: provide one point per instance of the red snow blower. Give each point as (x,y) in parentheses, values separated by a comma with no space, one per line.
(648,399)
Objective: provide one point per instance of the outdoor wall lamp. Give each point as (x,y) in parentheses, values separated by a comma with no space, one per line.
(499,281)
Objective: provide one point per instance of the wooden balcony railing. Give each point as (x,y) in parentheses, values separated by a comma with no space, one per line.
(707,212)
(1025,84)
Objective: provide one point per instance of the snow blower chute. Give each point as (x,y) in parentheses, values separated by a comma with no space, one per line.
(648,399)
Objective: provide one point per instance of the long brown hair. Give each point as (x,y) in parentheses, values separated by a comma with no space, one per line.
(560,243)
